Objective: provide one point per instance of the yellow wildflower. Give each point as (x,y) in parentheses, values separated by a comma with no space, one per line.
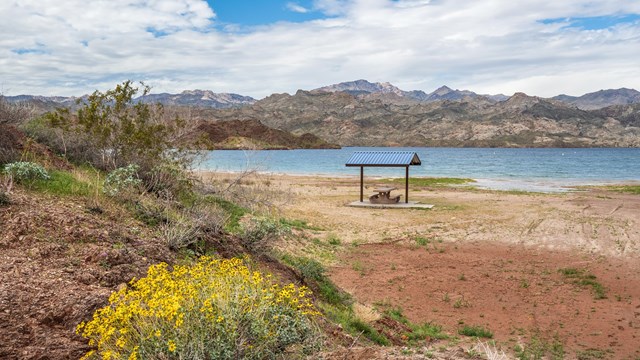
(171,345)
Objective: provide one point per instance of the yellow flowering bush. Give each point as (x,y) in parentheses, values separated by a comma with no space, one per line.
(214,309)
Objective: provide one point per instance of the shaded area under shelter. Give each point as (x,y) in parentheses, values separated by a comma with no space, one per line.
(364,159)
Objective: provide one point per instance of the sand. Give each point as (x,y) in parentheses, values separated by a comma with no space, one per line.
(485,258)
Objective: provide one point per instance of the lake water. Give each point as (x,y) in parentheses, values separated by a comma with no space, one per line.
(495,168)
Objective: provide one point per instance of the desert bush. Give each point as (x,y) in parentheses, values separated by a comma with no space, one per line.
(168,181)
(182,230)
(13,113)
(215,309)
(25,172)
(259,232)
(151,211)
(118,131)
(111,130)
(122,181)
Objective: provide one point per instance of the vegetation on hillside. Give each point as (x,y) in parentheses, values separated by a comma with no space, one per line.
(213,309)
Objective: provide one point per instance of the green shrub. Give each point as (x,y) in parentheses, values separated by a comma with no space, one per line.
(111,129)
(477,331)
(215,309)
(122,181)
(26,172)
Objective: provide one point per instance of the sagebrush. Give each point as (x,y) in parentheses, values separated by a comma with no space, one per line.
(215,309)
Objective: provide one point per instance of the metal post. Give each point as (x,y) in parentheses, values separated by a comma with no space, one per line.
(406,186)
(361,183)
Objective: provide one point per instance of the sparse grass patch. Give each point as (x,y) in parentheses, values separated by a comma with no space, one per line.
(61,183)
(461,302)
(583,278)
(298,224)
(477,331)
(313,271)
(591,354)
(630,189)
(333,239)
(419,332)
(357,266)
(538,348)
(234,211)
(422,241)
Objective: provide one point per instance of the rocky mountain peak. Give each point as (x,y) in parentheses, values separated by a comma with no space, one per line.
(442,90)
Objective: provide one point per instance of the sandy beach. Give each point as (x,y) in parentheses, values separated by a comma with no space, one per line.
(479,257)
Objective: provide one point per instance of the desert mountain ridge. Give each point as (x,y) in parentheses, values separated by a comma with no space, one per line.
(362,88)
(387,119)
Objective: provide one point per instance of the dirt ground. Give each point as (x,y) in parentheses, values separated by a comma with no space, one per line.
(489,258)
(59,262)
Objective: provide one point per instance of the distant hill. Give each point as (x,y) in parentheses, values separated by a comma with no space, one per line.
(602,98)
(201,98)
(251,134)
(195,98)
(364,87)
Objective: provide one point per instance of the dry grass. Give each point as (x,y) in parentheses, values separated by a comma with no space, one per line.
(365,313)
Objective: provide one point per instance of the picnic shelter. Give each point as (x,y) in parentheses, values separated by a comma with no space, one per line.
(364,159)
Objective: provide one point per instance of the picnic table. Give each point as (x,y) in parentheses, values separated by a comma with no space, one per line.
(383,195)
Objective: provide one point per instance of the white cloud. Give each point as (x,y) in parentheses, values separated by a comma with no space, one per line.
(291,6)
(491,46)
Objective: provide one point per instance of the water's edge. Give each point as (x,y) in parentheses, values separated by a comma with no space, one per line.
(546,170)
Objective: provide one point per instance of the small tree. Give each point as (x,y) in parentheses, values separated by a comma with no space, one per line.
(115,130)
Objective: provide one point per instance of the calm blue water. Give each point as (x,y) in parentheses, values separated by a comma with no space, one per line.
(524,169)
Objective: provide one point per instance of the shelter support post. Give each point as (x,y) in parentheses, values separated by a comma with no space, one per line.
(406,186)
(361,183)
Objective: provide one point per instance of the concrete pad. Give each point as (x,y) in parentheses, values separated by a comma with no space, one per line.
(400,205)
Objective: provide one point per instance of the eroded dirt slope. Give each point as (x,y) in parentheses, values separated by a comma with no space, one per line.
(59,262)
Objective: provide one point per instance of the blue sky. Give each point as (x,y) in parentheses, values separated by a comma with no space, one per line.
(252,13)
(595,22)
(260,47)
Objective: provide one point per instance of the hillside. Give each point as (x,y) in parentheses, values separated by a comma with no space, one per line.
(602,98)
(251,134)
(390,120)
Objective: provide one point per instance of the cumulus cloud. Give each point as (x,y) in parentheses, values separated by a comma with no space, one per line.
(491,46)
(296,8)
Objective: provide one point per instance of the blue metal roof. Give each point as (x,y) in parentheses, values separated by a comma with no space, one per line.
(383,158)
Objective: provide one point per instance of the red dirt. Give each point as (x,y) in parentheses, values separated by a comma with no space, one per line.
(513,291)
(58,263)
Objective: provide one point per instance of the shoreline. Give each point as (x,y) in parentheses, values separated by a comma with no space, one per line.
(542,185)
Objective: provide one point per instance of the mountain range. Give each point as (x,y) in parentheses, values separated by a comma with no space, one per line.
(358,88)
(361,113)
(390,120)
(363,87)
(195,98)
